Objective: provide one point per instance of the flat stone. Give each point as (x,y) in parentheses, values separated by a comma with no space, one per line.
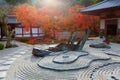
(8,62)
(17,55)
(68,57)
(12,59)
(22,52)
(100,45)
(1,61)
(3,79)
(4,68)
(15,52)
(40,53)
(80,63)
(11,54)
(2,74)
(6,57)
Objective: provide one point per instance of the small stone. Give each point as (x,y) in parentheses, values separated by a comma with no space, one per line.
(17,55)
(6,57)
(3,74)
(8,62)
(40,53)
(4,68)
(12,59)
(100,45)
(1,61)
(22,52)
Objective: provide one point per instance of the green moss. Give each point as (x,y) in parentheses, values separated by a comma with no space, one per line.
(24,39)
(1,46)
(115,39)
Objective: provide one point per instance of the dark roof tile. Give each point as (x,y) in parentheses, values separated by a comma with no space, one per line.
(12,19)
(102,5)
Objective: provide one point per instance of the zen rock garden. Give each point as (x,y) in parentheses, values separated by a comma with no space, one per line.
(83,63)
(94,57)
(86,64)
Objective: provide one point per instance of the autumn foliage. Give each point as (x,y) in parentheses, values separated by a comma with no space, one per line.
(52,21)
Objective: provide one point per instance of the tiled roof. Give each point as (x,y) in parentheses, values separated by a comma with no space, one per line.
(102,5)
(2,2)
(12,19)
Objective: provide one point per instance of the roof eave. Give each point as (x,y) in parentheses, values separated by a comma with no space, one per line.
(91,9)
(14,23)
(93,12)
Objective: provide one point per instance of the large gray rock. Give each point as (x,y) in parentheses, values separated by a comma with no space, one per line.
(62,47)
(100,45)
(40,53)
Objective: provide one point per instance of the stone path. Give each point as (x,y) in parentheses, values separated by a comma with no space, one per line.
(8,56)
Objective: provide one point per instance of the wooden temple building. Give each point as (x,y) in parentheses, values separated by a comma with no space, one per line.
(14,24)
(109,13)
(11,23)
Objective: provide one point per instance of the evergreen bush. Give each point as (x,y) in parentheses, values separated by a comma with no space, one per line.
(115,39)
(24,39)
(1,46)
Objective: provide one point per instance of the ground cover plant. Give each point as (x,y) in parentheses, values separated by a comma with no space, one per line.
(115,39)
(1,46)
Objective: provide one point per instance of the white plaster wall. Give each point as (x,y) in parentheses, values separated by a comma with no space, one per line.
(18,30)
(118,23)
(102,24)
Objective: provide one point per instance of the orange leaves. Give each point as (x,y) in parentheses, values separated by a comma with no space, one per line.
(26,28)
(75,9)
(52,21)
(27,14)
(73,20)
(48,11)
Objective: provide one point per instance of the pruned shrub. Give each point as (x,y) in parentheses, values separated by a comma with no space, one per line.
(115,39)
(24,39)
(1,46)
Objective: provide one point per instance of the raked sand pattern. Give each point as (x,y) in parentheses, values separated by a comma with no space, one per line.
(97,64)
(7,60)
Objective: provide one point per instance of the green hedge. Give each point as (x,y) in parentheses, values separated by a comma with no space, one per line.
(115,39)
(24,39)
(1,46)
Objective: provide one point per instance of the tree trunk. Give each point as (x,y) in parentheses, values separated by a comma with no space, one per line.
(8,44)
(69,40)
(4,24)
(54,34)
(6,31)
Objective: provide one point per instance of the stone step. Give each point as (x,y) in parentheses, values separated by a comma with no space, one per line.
(8,62)
(4,68)
(1,61)
(3,74)
(12,59)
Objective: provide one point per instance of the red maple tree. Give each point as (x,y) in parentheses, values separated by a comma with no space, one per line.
(49,21)
(27,15)
(52,21)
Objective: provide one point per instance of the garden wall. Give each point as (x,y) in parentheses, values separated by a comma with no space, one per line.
(65,35)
